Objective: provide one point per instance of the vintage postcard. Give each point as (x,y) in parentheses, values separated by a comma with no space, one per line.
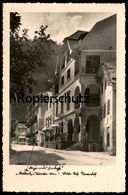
(63,97)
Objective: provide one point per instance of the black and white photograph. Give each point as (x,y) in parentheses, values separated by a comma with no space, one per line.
(63,89)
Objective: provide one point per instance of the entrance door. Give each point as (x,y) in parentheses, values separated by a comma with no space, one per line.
(76,129)
(70,130)
(93,131)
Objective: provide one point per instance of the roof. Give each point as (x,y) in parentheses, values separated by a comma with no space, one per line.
(102,35)
(106,21)
(79,34)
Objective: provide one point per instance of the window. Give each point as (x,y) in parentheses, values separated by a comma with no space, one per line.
(92,63)
(56,108)
(92,93)
(76,96)
(68,74)
(50,120)
(62,107)
(68,100)
(46,121)
(62,80)
(58,131)
(104,110)
(105,84)
(108,107)
(56,88)
(108,139)
(76,66)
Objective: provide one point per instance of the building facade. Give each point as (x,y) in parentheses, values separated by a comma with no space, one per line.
(67,114)
(20,133)
(87,68)
(35,120)
(98,76)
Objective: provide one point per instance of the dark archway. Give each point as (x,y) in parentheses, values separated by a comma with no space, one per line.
(70,130)
(93,129)
(76,128)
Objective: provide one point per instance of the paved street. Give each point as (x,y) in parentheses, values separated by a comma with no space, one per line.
(24,155)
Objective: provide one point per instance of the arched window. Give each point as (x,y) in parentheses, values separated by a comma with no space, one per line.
(76,98)
(68,100)
(76,66)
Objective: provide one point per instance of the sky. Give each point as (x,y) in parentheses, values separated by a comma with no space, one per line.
(60,25)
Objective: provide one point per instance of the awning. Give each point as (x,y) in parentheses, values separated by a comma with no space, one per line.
(46,129)
(54,125)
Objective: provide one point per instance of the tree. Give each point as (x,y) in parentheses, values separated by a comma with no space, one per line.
(29,57)
(21,58)
(13,127)
(45,52)
(15,22)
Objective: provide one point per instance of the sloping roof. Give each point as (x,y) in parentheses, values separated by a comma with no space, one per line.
(102,35)
(79,34)
(106,21)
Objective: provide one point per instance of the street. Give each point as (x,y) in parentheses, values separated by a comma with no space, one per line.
(29,155)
